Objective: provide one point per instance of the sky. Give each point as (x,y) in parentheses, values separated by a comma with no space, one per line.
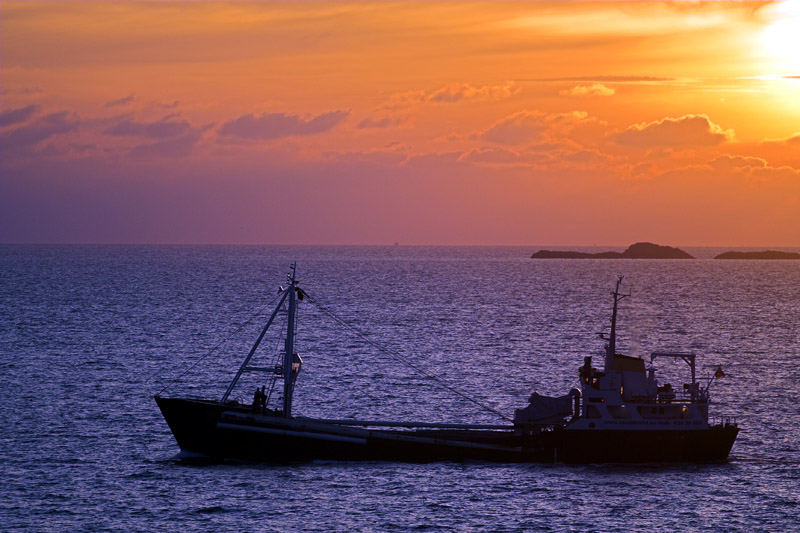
(463,123)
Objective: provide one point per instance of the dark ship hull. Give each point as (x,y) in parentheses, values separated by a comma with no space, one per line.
(223,431)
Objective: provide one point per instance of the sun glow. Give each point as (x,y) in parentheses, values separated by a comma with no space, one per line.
(781,38)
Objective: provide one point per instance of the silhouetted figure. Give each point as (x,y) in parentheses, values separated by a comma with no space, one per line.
(263,399)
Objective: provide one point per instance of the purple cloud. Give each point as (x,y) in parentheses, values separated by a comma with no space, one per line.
(164,128)
(14,116)
(173,147)
(275,125)
(38,130)
(121,101)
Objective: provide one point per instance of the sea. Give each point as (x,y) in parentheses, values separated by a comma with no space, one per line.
(89,334)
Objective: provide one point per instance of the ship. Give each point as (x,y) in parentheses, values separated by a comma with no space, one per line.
(618,414)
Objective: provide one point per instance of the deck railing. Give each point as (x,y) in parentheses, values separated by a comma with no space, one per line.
(682,397)
(722,421)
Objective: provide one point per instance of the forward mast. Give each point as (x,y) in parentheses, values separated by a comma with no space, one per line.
(291,363)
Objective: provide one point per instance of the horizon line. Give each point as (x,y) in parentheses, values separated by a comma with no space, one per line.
(397,244)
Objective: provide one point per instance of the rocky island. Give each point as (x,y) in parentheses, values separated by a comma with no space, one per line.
(640,250)
(767,254)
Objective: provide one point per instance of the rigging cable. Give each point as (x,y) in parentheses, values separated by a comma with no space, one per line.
(275,364)
(396,355)
(214,348)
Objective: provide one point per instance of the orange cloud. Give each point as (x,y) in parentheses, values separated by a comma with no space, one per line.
(518,128)
(604,79)
(379,121)
(529,126)
(792,141)
(585,157)
(785,151)
(684,132)
(758,169)
(452,93)
(456,92)
(596,89)
(729,162)
(491,156)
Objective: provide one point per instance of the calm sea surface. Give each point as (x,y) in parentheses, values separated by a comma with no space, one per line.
(88,334)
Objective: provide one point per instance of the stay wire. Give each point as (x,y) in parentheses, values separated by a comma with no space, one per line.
(394,354)
(275,362)
(215,347)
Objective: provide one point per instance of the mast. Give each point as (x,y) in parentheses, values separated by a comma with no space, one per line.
(291,361)
(288,357)
(611,347)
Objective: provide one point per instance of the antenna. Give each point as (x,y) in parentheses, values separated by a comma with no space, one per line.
(611,347)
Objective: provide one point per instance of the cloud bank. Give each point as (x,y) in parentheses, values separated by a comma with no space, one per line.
(159,129)
(275,125)
(15,116)
(40,129)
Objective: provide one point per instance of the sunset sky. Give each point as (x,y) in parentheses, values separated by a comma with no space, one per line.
(419,123)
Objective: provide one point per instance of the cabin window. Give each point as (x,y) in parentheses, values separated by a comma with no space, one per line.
(619,411)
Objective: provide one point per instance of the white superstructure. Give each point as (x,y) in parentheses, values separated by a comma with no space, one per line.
(626,395)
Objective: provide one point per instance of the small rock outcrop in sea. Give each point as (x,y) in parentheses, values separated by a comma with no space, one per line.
(640,250)
(767,254)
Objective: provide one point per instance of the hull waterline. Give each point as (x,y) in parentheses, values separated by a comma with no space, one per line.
(235,432)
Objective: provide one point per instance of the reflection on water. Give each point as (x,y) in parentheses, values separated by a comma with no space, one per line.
(90,333)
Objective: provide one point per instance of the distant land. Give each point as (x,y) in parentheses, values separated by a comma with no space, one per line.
(640,250)
(767,254)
